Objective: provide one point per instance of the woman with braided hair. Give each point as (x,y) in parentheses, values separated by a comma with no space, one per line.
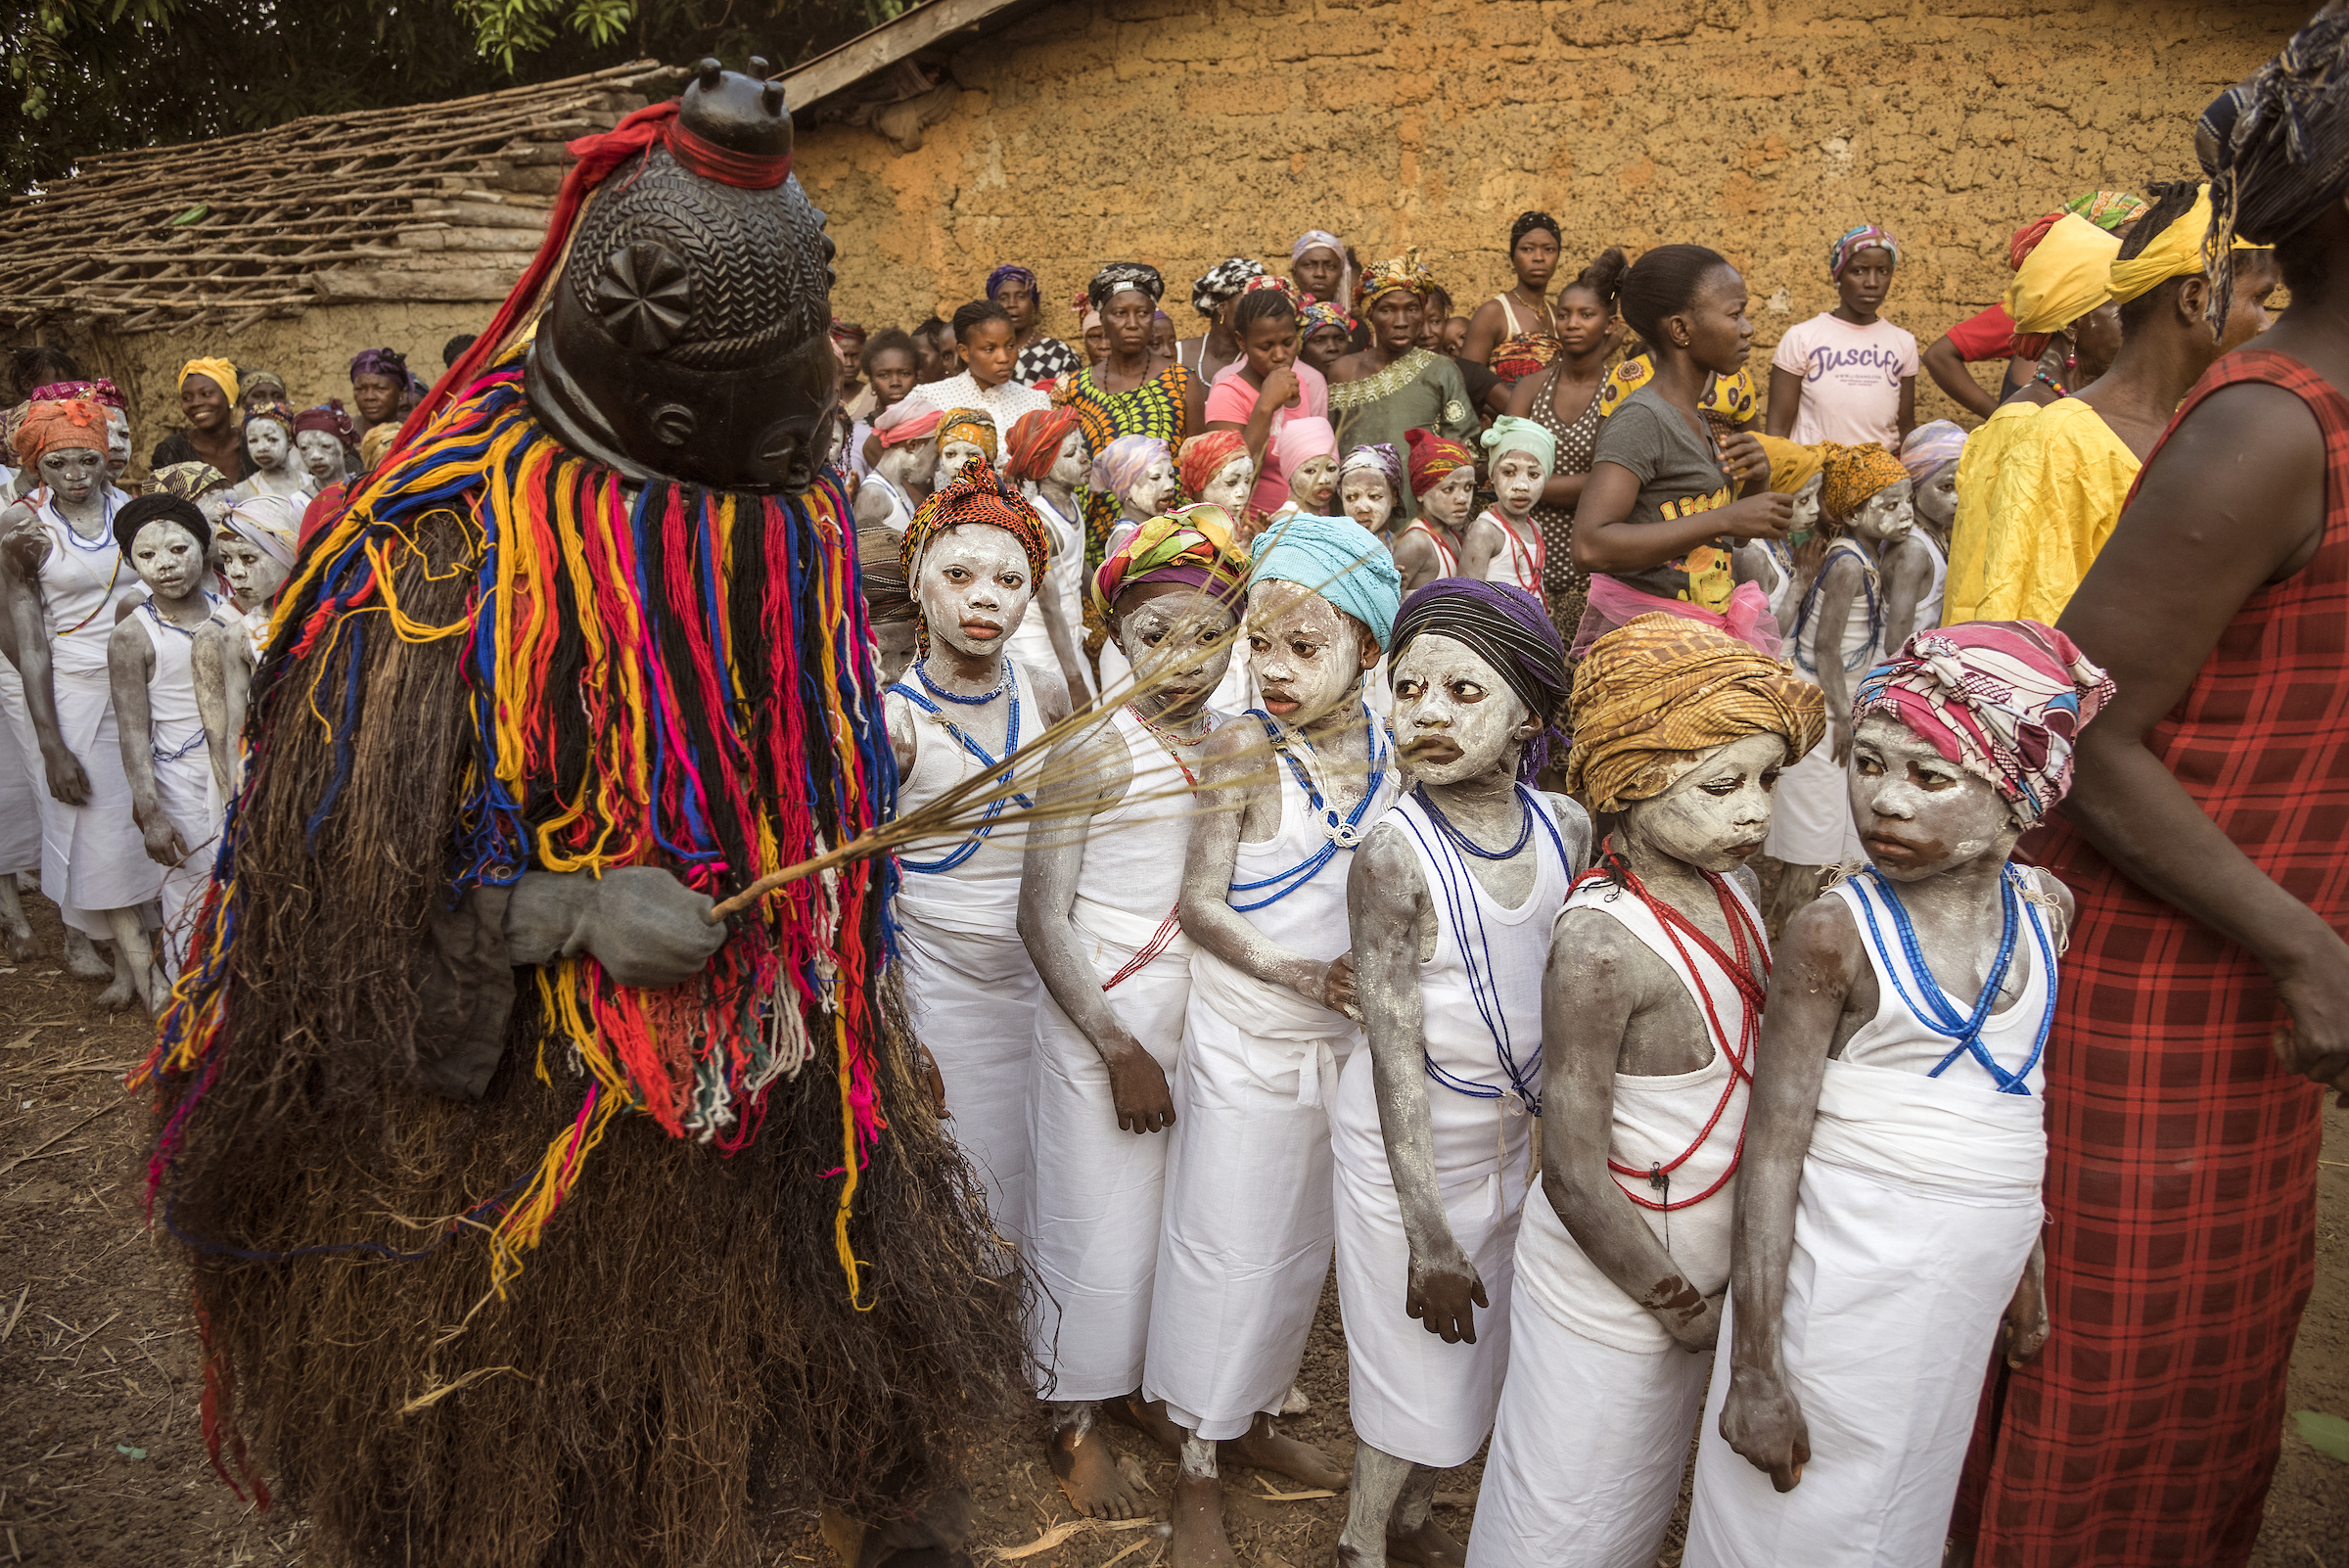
(1131,391)
(1517,333)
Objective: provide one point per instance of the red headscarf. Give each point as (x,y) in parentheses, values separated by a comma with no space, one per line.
(1203,457)
(1432,457)
(1033,443)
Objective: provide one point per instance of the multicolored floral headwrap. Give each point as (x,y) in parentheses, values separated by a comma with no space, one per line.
(1318,314)
(974,425)
(187,480)
(2004,700)
(1853,240)
(100,391)
(1192,547)
(1402,273)
(978,495)
(1376,457)
(271,409)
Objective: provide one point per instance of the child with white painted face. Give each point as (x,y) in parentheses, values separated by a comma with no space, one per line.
(1651,1009)
(150,665)
(269,439)
(1216,468)
(1888,1221)
(1863,602)
(1139,471)
(1307,450)
(1442,477)
(1368,482)
(1930,454)
(1448,905)
(323,438)
(972,556)
(65,585)
(905,440)
(255,540)
(1097,911)
(1045,453)
(1295,787)
(1504,543)
(963,434)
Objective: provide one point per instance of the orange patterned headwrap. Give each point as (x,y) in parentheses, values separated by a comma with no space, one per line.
(1033,443)
(978,495)
(1854,473)
(1203,457)
(974,425)
(1656,694)
(51,427)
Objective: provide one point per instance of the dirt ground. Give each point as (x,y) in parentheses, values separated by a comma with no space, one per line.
(102,1464)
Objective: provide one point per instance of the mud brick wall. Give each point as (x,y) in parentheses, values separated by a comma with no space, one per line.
(1179,132)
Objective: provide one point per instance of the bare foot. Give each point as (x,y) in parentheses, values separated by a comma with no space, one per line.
(83,960)
(1147,1417)
(118,995)
(1430,1546)
(1264,1449)
(1199,1524)
(1088,1468)
(20,944)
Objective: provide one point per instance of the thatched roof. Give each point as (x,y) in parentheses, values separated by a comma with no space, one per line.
(444,201)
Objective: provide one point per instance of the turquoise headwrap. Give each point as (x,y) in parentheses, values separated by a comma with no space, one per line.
(1337,558)
(1510,433)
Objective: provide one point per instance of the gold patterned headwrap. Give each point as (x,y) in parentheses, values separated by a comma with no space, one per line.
(1654,695)
(1396,272)
(1856,473)
(974,425)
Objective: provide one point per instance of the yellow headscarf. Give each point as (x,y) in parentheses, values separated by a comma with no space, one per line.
(223,374)
(1791,464)
(974,425)
(1656,694)
(2066,277)
(2175,253)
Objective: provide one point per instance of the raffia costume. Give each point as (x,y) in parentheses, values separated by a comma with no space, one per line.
(590,615)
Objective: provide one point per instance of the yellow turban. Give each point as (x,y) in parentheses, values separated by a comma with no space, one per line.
(2175,253)
(1791,464)
(1856,473)
(974,425)
(1656,694)
(223,374)
(2066,277)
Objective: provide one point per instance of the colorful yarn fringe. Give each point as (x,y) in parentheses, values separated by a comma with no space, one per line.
(677,680)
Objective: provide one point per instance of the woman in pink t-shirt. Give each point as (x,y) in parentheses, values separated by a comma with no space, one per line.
(1848,375)
(1269,387)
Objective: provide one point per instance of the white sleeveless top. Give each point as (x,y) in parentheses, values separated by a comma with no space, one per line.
(81,584)
(1516,563)
(970,883)
(1032,641)
(1901,1037)
(1131,877)
(1928,608)
(901,512)
(1445,554)
(1862,628)
(1656,1120)
(1480,1000)
(1292,888)
(173,721)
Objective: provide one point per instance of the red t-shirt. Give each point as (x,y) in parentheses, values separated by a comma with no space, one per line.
(1990,334)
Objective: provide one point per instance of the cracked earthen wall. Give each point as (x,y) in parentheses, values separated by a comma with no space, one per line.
(1179,132)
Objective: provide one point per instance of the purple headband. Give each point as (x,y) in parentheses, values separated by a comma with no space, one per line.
(1509,630)
(380,363)
(1009,271)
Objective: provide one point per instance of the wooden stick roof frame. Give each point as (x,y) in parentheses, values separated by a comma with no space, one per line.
(443,202)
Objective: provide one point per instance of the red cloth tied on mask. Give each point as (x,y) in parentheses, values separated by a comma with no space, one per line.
(49,427)
(1204,456)
(1432,457)
(1033,445)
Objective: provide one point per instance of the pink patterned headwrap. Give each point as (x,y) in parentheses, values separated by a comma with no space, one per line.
(2004,700)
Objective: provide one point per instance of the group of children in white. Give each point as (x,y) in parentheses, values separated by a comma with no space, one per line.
(1217,996)
(1280,957)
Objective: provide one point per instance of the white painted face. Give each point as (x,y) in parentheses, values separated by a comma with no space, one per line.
(1937,503)
(254,575)
(1715,816)
(906,464)
(1315,484)
(1307,656)
(213,504)
(1231,487)
(1806,504)
(1449,500)
(1177,639)
(973,586)
(1072,465)
(1153,492)
(1455,719)
(74,473)
(1367,498)
(321,455)
(1917,812)
(951,458)
(267,440)
(1517,482)
(1887,515)
(117,442)
(168,558)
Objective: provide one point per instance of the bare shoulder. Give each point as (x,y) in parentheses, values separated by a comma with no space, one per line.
(1051,690)
(1574,827)
(1385,874)
(1821,949)
(2044,887)
(1596,957)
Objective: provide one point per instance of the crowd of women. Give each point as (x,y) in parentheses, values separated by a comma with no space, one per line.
(1347,731)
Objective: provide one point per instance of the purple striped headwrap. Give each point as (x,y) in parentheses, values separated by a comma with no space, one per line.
(1854,241)
(1009,271)
(1509,630)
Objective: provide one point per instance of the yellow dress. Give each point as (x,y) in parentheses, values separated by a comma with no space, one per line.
(1969,535)
(2053,504)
